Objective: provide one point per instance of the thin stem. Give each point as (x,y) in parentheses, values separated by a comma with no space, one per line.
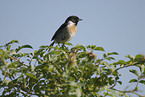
(16,60)
(127,92)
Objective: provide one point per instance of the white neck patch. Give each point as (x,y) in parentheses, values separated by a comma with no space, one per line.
(70,23)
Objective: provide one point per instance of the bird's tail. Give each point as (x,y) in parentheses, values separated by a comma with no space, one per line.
(51,45)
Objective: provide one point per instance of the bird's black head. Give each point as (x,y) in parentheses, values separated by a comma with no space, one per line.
(74,19)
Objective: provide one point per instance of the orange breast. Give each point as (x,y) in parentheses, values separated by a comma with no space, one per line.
(72,29)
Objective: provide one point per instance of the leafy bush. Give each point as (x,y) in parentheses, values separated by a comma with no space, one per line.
(65,72)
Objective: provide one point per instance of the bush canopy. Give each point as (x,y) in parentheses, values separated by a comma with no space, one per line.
(65,71)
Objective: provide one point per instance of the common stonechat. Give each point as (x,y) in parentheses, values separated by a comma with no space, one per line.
(66,31)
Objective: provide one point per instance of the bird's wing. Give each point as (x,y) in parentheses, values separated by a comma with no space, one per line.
(58,31)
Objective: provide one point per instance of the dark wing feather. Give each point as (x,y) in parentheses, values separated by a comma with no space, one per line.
(58,31)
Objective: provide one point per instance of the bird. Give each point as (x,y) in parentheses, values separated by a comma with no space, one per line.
(66,31)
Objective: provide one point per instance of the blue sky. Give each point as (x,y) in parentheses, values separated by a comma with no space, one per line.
(115,25)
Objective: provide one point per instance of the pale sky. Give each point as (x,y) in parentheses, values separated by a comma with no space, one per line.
(115,25)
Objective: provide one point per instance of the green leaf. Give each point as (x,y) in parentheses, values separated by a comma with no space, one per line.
(39,51)
(82,54)
(43,46)
(142,76)
(110,58)
(142,82)
(78,47)
(99,49)
(117,77)
(23,46)
(68,44)
(31,76)
(130,57)
(8,47)
(72,83)
(1,46)
(139,57)
(134,72)
(132,80)
(113,53)
(81,47)
(113,93)
(78,92)
(111,80)
(106,64)
(13,65)
(105,55)
(11,42)
(91,46)
(122,62)
(142,67)
(120,82)
(119,62)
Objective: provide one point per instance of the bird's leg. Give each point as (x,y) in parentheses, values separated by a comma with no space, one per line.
(59,44)
(63,46)
(50,46)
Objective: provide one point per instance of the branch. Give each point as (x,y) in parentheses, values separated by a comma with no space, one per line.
(123,67)
(16,59)
(127,92)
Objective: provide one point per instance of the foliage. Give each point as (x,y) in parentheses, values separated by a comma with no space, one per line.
(65,72)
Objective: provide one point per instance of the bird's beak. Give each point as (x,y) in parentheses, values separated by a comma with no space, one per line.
(80,19)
